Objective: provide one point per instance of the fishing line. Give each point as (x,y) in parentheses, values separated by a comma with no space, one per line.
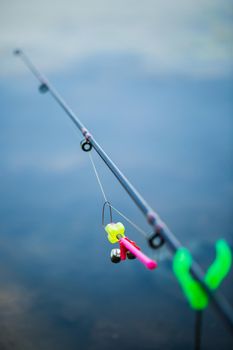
(140,230)
(98,178)
(110,205)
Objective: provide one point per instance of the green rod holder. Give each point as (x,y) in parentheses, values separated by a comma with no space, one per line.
(218,270)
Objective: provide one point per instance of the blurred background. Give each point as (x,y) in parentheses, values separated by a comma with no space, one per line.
(152,80)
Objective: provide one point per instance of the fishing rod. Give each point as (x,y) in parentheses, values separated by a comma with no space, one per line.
(161,232)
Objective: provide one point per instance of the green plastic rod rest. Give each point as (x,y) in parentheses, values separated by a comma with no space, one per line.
(215,274)
(219,269)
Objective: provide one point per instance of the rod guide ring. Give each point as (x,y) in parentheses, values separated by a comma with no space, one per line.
(43,88)
(156,240)
(86,145)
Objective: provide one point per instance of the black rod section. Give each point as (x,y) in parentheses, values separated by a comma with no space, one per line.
(198,329)
(219,302)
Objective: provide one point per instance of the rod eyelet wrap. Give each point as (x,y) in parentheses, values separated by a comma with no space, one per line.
(151,218)
(86,145)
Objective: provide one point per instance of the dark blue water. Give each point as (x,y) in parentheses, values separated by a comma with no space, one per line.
(172,136)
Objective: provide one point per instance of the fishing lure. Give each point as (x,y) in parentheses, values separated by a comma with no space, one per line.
(128,248)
